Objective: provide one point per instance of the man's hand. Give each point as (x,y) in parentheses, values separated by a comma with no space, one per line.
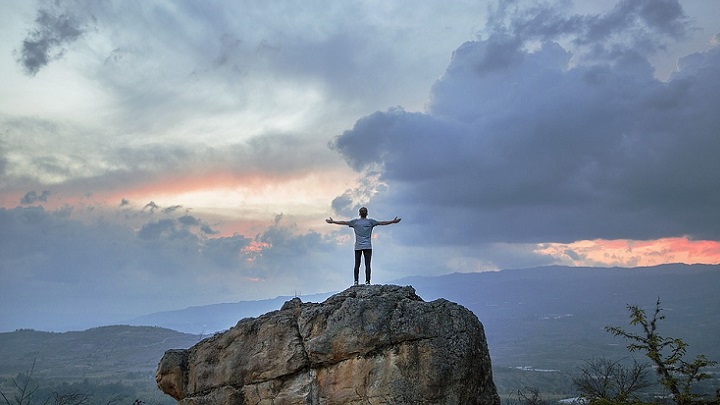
(330,220)
(396,220)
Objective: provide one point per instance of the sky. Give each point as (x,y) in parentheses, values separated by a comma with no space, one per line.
(158,155)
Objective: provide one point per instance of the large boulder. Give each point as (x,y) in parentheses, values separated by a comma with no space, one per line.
(379,344)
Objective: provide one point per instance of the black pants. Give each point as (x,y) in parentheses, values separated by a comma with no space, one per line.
(368,256)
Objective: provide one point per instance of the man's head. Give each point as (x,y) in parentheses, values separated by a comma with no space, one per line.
(363,212)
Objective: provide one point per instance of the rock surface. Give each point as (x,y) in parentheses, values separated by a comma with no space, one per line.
(379,344)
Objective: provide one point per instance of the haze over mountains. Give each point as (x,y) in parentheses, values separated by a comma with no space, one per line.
(553,316)
(530,313)
(549,317)
(539,319)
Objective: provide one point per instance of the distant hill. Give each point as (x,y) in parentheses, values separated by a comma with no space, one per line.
(108,351)
(208,319)
(546,317)
(554,317)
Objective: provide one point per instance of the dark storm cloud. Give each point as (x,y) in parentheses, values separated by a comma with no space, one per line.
(52,31)
(183,227)
(162,229)
(191,221)
(522,146)
(172,208)
(208,230)
(151,206)
(644,17)
(343,204)
(632,25)
(31,197)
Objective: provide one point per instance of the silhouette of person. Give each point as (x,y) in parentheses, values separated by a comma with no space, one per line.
(363,227)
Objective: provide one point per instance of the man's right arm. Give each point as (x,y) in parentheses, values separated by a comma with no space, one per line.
(332,221)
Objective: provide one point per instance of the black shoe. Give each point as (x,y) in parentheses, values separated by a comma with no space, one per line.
(367,283)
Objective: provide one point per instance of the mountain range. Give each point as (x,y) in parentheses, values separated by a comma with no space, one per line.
(538,319)
(546,317)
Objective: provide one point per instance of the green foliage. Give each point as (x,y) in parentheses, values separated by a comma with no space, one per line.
(666,353)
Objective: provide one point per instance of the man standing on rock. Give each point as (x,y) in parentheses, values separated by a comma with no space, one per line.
(363,227)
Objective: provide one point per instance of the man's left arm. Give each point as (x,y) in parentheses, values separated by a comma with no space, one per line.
(394,221)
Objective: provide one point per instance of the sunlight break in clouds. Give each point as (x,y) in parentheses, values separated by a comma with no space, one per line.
(628,253)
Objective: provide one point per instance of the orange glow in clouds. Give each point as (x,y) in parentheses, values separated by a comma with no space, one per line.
(172,185)
(629,253)
(234,203)
(254,250)
(228,202)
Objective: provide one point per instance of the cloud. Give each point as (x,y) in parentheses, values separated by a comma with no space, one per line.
(352,199)
(164,229)
(32,197)
(151,206)
(95,272)
(3,161)
(631,27)
(633,253)
(166,67)
(524,142)
(53,30)
(715,40)
(212,88)
(189,220)
(172,208)
(98,163)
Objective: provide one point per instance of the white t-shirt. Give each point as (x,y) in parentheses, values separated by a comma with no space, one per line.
(363,231)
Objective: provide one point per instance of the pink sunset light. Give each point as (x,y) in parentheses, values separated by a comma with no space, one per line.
(630,253)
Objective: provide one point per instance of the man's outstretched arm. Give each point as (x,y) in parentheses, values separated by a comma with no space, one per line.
(332,221)
(394,221)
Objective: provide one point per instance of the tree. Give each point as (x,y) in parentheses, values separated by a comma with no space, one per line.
(71,399)
(25,389)
(603,379)
(666,353)
(529,396)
